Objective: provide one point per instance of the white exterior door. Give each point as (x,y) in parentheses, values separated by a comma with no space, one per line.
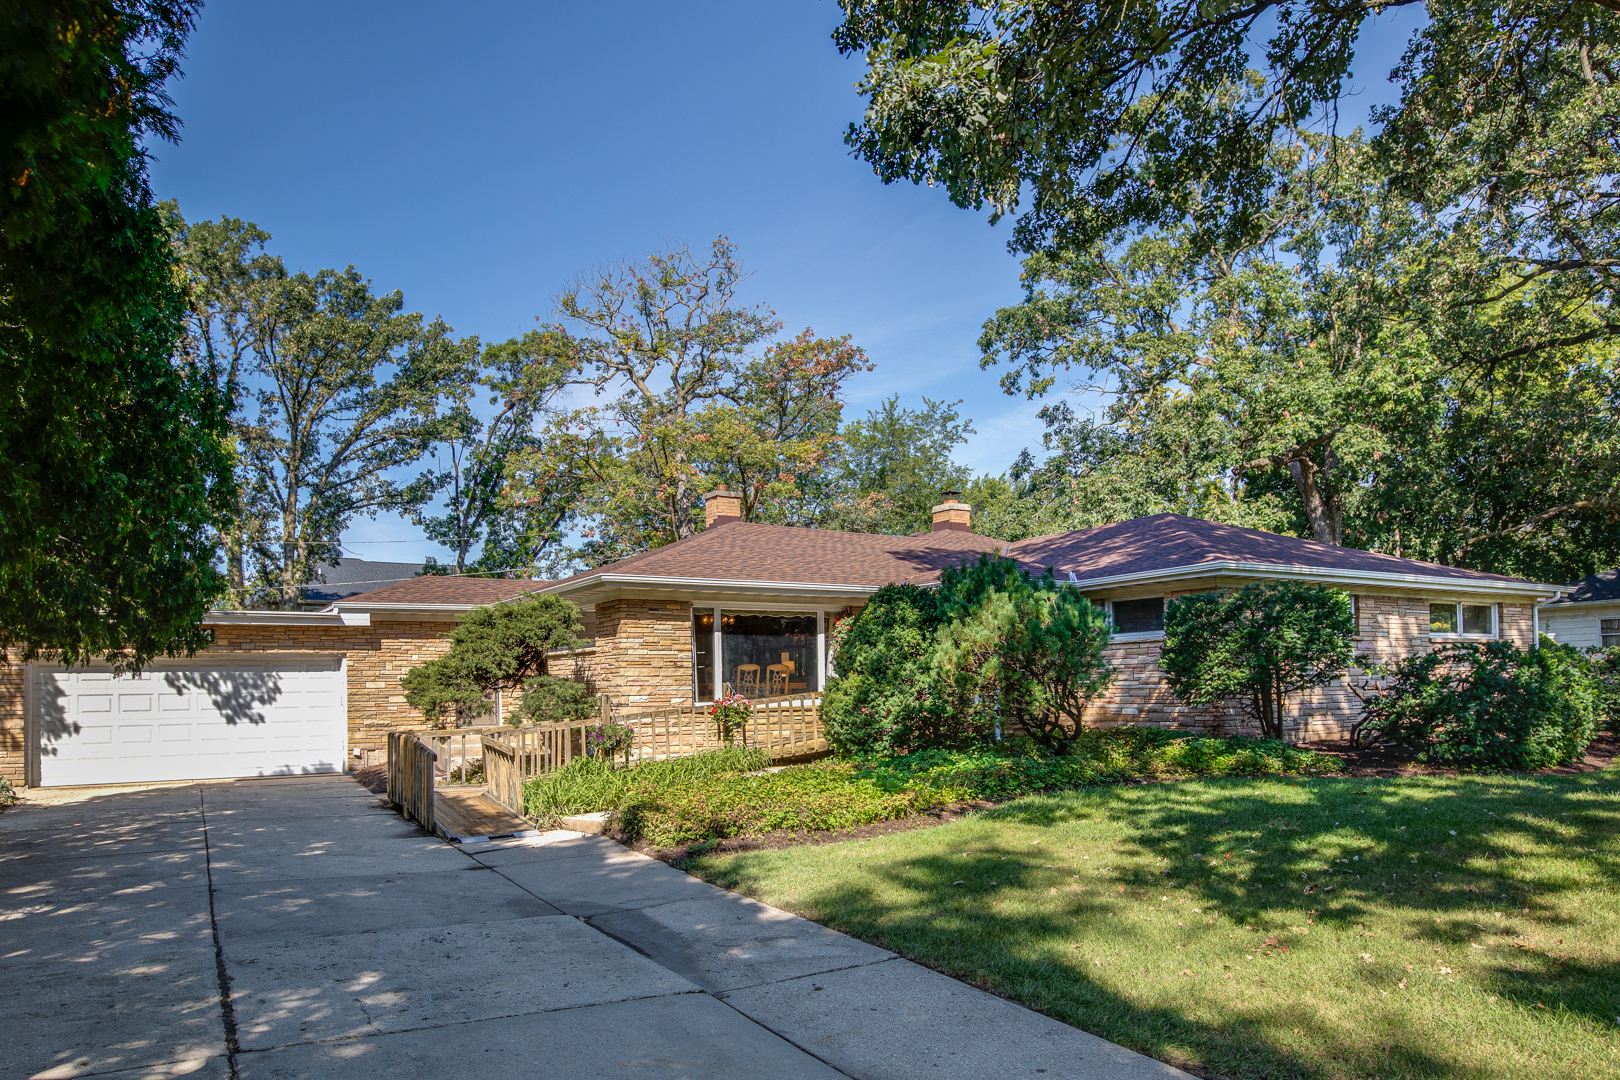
(189,720)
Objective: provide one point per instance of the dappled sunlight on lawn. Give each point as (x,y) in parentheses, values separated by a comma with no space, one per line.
(1424,926)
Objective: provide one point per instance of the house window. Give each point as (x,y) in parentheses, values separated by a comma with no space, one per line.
(1469,620)
(1609,633)
(703,652)
(768,653)
(1143,616)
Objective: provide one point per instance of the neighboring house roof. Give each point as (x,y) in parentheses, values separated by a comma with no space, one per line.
(738,553)
(444,590)
(351,577)
(1600,588)
(1170,544)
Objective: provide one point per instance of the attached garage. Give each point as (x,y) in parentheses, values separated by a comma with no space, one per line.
(197,719)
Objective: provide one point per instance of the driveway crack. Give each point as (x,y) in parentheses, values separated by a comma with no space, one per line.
(227,1007)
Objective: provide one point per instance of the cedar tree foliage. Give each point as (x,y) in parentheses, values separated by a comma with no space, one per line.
(497,647)
(1258,645)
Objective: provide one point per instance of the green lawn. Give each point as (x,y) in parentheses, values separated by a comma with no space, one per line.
(1421,927)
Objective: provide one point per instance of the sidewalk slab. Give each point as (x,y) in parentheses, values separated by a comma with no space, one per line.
(65,1020)
(731,941)
(292,908)
(682,1037)
(286,992)
(898,1020)
(600,882)
(78,841)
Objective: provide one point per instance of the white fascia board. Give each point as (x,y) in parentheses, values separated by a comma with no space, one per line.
(1347,577)
(1563,605)
(418,609)
(812,588)
(326,617)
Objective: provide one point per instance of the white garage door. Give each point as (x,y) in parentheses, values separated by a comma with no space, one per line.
(190,720)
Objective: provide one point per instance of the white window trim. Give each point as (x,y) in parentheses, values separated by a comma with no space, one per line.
(1139,635)
(1600,635)
(1496,624)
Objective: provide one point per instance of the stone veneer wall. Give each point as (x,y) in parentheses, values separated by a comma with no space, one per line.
(1388,628)
(643,652)
(13,721)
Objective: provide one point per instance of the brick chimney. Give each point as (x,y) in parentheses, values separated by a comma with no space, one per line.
(952,515)
(721,506)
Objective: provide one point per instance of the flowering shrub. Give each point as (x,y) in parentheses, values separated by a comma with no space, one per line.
(730,713)
(606,740)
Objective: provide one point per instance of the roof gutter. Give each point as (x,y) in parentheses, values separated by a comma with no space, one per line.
(326,617)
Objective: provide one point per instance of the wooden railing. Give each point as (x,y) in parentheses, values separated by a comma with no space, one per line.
(502,774)
(410,777)
(788,726)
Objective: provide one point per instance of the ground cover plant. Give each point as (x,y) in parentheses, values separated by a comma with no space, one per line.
(717,794)
(1096,756)
(1263,927)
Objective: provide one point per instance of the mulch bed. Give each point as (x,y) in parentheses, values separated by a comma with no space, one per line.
(1393,762)
(374,778)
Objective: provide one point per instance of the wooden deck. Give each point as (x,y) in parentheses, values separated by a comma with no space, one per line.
(462,813)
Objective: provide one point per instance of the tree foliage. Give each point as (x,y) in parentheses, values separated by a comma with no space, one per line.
(525,378)
(1258,645)
(701,396)
(113,460)
(496,647)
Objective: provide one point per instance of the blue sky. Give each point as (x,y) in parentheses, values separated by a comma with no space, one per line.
(478,157)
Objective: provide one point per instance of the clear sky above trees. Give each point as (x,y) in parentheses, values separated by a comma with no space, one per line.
(480,164)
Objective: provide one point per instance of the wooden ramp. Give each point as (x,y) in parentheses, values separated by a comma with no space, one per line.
(467,813)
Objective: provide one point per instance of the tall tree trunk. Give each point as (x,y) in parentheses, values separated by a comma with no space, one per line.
(1324,512)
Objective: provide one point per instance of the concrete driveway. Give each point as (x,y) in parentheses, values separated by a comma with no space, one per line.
(296,928)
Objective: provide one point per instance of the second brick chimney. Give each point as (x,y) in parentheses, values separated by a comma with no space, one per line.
(952,515)
(721,506)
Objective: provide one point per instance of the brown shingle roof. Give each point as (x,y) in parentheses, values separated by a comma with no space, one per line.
(1169,541)
(744,551)
(443,589)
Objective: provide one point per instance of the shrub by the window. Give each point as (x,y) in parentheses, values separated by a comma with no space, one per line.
(884,672)
(1606,684)
(1490,704)
(1258,645)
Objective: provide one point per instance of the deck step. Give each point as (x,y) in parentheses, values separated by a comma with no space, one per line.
(596,822)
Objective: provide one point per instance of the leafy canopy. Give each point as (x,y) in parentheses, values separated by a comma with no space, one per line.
(114,465)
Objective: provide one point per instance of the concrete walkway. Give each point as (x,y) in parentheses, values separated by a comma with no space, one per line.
(354,946)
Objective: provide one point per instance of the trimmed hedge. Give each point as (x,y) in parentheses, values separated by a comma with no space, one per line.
(590,784)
